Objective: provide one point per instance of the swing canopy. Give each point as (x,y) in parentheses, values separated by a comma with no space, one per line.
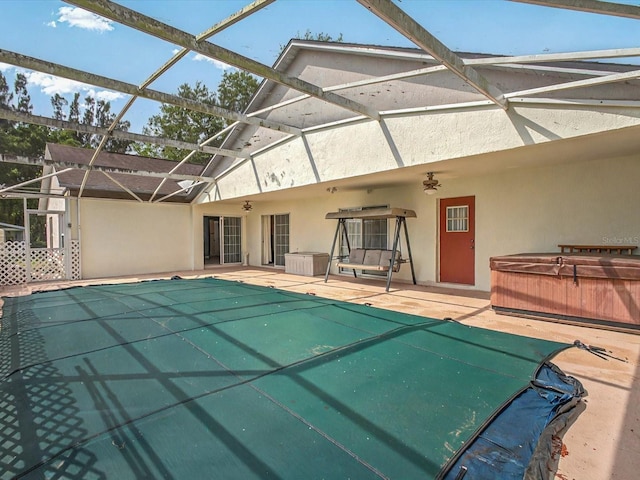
(373,213)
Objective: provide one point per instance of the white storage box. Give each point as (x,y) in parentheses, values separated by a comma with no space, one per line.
(309,264)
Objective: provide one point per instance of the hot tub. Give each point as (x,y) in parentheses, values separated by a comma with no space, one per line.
(601,289)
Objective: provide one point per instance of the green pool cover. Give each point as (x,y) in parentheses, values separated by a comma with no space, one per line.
(187,379)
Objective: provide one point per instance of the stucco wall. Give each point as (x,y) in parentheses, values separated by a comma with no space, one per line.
(522,210)
(368,147)
(125,238)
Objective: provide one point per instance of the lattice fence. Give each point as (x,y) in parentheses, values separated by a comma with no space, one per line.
(46,263)
(75,260)
(13,263)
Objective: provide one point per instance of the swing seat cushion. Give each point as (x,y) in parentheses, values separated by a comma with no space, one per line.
(371,259)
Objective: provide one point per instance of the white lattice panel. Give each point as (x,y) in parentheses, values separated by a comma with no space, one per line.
(47,264)
(13,263)
(75,260)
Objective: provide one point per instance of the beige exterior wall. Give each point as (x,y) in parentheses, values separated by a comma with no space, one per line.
(125,238)
(536,209)
(517,211)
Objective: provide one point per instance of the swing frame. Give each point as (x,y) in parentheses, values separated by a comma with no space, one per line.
(389,260)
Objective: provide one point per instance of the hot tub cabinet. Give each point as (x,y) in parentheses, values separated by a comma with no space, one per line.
(598,289)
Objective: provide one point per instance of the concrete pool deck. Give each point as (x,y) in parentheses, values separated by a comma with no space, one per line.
(604,441)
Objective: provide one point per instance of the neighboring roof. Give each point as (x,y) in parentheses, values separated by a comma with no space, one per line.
(98,183)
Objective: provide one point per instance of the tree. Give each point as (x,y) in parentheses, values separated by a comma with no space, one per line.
(25,139)
(5,103)
(65,137)
(236,89)
(24,99)
(19,139)
(74,108)
(58,102)
(5,94)
(103,117)
(96,113)
(234,93)
(320,37)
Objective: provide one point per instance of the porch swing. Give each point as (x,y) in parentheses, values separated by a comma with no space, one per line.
(379,260)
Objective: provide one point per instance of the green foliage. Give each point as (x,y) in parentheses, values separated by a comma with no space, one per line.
(181,124)
(320,37)
(18,139)
(29,140)
(24,99)
(234,92)
(236,89)
(58,102)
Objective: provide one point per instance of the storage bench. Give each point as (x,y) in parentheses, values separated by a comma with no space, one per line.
(308,264)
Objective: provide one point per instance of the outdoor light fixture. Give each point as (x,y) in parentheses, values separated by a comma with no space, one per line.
(247,206)
(430,184)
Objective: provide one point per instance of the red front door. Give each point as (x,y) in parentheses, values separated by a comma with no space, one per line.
(457,240)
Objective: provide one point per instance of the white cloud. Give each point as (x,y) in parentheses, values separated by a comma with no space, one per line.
(106,95)
(77,17)
(50,85)
(52,24)
(198,57)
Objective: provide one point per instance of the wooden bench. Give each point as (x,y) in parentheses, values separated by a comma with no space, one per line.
(371,259)
(606,249)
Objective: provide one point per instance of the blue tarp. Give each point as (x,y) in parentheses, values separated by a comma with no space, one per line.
(517,443)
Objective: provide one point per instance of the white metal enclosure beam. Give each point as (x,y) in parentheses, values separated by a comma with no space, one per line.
(616,77)
(128,88)
(15,116)
(415,32)
(557,57)
(33,180)
(80,166)
(245,12)
(235,18)
(150,26)
(591,6)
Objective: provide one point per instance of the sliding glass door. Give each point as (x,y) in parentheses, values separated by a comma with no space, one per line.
(222,240)
(275,239)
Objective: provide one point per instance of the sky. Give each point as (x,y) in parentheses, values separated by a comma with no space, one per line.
(58,32)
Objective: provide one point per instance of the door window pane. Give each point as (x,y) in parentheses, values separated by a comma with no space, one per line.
(232,239)
(281,238)
(458,218)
